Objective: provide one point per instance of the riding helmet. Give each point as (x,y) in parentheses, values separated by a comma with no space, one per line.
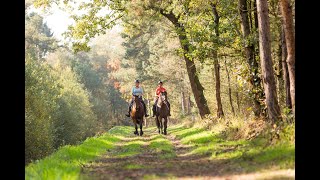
(137,81)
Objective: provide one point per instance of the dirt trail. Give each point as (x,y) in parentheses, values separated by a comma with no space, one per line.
(150,164)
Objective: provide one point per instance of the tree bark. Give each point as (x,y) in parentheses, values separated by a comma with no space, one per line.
(229,87)
(216,63)
(285,72)
(197,88)
(237,97)
(218,89)
(188,105)
(266,61)
(183,103)
(249,49)
(255,14)
(280,75)
(287,18)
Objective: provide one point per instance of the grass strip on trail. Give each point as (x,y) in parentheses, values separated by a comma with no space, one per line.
(66,162)
(244,154)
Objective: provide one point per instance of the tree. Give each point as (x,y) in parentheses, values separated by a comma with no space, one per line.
(266,62)
(195,84)
(38,37)
(216,18)
(229,87)
(286,12)
(285,72)
(249,49)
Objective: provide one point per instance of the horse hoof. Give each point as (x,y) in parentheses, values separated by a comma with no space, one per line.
(141,133)
(165,133)
(136,133)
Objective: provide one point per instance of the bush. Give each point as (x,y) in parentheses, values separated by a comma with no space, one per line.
(58,110)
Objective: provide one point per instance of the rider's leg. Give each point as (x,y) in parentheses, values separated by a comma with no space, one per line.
(154,107)
(129,109)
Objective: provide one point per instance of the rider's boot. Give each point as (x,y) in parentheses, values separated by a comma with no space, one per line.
(128,114)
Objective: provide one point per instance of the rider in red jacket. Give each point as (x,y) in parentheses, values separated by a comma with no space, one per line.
(159,89)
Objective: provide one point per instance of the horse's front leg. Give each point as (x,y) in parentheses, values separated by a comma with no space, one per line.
(161,127)
(158,124)
(141,123)
(135,125)
(165,125)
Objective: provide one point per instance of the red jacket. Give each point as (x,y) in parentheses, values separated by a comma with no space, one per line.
(159,90)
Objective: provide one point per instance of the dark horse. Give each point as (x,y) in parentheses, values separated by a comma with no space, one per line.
(162,112)
(137,114)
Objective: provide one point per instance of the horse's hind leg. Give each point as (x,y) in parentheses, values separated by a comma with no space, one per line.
(165,125)
(158,124)
(141,132)
(136,132)
(161,126)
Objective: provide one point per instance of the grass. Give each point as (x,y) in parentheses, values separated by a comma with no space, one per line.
(164,176)
(130,149)
(217,143)
(250,155)
(121,130)
(162,146)
(65,163)
(134,166)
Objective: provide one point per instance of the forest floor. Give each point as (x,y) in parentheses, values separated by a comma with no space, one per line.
(188,153)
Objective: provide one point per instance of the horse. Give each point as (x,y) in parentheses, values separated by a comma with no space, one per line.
(162,112)
(137,114)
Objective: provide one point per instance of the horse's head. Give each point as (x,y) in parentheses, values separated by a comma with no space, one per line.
(136,97)
(163,96)
(137,103)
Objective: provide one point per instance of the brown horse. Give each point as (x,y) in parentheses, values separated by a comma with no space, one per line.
(137,114)
(162,112)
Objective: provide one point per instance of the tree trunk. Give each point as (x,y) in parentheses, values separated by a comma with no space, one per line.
(280,71)
(251,6)
(216,64)
(237,98)
(188,105)
(182,103)
(217,78)
(266,61)
(255,14)
(229,88)
(197,88)
(249,49)
(285,72)
(280,81)
(287,18)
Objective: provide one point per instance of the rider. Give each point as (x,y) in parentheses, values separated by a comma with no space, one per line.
(159,89)
(137,90)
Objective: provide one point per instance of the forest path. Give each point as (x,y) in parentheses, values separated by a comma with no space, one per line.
(155,156)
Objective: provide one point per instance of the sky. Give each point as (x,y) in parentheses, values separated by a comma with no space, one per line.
(59,20)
